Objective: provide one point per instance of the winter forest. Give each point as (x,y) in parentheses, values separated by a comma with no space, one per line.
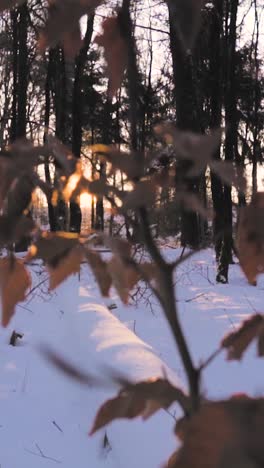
(132,233)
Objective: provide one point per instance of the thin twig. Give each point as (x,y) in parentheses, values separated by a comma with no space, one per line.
(167,297)
(183,258)
(209,359)
(41,454)
(37,286)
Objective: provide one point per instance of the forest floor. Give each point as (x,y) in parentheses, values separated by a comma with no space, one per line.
(45,417)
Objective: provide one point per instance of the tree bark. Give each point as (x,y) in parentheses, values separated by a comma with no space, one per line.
(22,84)
(14,21)
(187,119)
(51,210)
(77,117)
(20,76)
(216,66)
(231,134)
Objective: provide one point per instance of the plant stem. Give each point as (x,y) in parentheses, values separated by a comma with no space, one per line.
(166,294)
(171,313)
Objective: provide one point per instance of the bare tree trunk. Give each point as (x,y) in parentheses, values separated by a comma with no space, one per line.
(99,209)
(20,86)
(51,211)
(231,134)
(60,100)
(22,83)
(187,119)
(77,117)
(14,20)
(216,62)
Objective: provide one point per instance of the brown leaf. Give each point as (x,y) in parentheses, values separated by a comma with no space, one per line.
(187,15)
(115,52)
(62,24)
(68,265)
(14,282)
(24,155)
(64,159)
(51,247)
(120,247)
(195,147)
(150,273)
(230,174)
(143,194)
(18,178)
(14,229)
(22,227)
(69,369)
(225,434)
(19,196)
(7,176)
(125,162)
(250,241)
(72,42)
(123,406)
(6,4)
(100,271)
(124,278)
(100,187)
(237,342)
(143,398)
(72,182)
(192,203)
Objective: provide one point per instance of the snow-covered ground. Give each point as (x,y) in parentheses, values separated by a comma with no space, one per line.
(45,417)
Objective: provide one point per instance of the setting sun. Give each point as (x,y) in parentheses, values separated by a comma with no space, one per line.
(86,199)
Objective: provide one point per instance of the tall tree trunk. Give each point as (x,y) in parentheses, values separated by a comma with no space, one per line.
(22,83)
(216,66)
(77,117)
(20,50)
(187,119)
(60,100)
(51,210)
(256,107)
(99,208)
(231,133)
(14,21)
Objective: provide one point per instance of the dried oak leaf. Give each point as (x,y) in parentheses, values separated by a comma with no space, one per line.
(250,241)
(230,174)
(237,342)
(124,278)
(115,52)
(187,17)
(101,188)
(65,162)
(143,194)
(195,147)
(120,247)
(62,24)
(25,155)
(67,265)
(14,282)
(6,4)
(72,183)
(51,247)
(72,42)
(14,229)
(225,434)
(100,271)
(69,369)
(19,196)
(191,202)
(7,175)
(143,398)
(125,162)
